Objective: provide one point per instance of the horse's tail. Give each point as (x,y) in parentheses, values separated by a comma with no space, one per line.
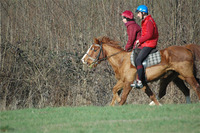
(195,49)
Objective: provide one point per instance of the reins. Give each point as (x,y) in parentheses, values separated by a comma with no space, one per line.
(105,58)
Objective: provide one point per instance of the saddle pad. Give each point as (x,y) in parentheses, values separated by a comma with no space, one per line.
(152,59)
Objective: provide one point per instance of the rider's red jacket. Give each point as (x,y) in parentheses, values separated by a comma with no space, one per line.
(134,33)
(149,36)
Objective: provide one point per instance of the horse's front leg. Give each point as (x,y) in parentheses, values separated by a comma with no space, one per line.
(149,93)
(115,89)
(127,88)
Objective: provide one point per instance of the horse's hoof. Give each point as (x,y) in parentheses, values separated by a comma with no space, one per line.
(152,103)
(118,100)
(112,105)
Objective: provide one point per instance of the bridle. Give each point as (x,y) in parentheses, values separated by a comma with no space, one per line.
(97,60)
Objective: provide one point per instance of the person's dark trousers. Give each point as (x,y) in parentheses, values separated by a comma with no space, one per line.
(140,58)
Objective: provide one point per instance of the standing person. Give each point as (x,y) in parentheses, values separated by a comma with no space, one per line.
(133,30)
(148,41)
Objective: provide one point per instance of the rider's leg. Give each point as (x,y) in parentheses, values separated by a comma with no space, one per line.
(140,69)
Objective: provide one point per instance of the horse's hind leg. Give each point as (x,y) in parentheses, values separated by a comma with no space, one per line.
(115,90)
(164,83)
(163,86)
(149,93)
(181,85)
(195,85)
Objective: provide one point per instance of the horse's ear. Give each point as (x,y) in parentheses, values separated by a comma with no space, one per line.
(96,41)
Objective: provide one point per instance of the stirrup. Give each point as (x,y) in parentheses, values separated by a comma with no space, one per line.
(137,85)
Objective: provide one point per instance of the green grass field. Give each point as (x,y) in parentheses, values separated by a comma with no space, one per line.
(180,118)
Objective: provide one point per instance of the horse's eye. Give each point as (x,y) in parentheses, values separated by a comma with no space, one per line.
(93,49)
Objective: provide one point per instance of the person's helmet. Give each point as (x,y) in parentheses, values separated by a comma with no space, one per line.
(142,8)
(128,14)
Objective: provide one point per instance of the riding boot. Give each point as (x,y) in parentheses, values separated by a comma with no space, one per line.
(140,71)
(137,84)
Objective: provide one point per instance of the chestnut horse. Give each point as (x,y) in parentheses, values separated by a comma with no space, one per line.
(175,58)
(173,76)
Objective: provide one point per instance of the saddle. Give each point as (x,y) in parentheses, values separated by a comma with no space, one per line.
(152,59)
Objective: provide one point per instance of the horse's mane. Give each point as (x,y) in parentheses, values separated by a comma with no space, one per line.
(110,42)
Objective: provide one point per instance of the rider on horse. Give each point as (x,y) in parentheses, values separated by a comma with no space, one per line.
(133,29)
(148,42)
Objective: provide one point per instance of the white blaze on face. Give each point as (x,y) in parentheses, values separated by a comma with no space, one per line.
(85,55)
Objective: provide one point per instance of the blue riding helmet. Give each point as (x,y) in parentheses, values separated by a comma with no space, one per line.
(142,8)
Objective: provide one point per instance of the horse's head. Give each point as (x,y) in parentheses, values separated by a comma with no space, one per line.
(95,54)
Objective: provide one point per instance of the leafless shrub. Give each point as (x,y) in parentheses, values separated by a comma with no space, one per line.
(42,43)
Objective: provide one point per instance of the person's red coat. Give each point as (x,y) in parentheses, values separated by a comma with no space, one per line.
(134,33)
(149,36)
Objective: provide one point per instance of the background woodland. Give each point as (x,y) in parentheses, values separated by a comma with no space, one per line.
(42,42)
